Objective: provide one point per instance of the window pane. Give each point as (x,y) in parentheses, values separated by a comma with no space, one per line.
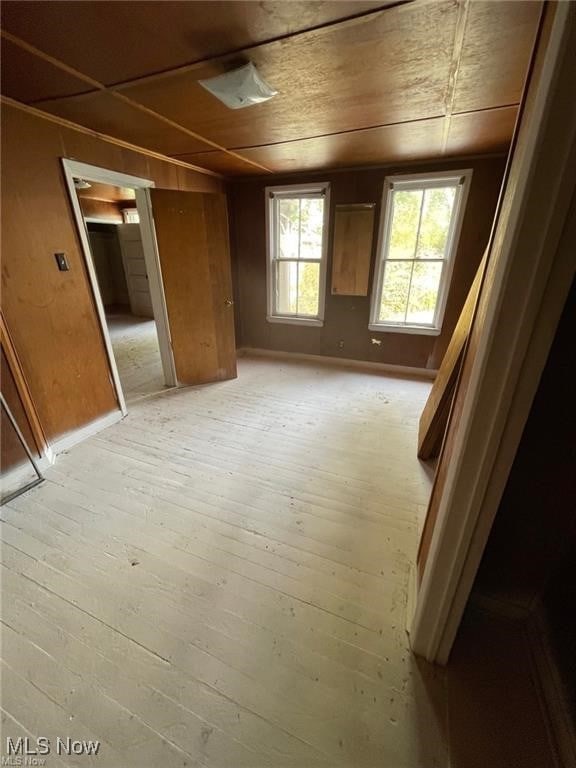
(288,227)
(297,288)
(424,292)
(435,223)
(311,224)
(300,225)
(395,291)
(308,288)
(286,287)
(404,226)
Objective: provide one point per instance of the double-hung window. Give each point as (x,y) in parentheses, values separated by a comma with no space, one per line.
(418,241)
(297,224)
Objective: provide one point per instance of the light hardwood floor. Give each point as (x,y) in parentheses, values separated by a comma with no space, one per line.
(137,355)
(221,580)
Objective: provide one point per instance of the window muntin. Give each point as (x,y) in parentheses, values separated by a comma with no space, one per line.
(296,253)
(420,233)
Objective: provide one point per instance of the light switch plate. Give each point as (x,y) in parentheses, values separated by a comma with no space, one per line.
(62,262)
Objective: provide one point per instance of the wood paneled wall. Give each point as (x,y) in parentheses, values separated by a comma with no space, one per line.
(345,332)
(50,314)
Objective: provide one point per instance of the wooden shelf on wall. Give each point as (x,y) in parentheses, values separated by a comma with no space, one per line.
(352,249)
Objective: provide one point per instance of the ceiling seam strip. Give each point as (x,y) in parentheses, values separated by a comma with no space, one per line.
(351,131)
(457,48)
(121,97)
(360,130)
(64,122)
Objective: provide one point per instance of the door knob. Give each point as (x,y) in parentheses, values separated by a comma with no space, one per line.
(228,302)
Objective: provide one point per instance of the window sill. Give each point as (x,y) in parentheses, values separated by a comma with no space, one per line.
(312,321)
(414,329)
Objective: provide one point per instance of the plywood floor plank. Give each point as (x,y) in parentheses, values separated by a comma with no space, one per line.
(154,599)
(223,536)
(391,642)
(325,598)
(316,718)
(259,492)
(106,699)
(74,638)
(323,463)
(123,693)
(140,448)
(222,578)
(245,515)
(175,563)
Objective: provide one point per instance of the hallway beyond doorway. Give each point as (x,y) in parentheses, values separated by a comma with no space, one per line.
(135,345)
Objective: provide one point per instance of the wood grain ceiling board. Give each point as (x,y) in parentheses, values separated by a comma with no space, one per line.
(498,43)
(114,42)
(392,67)
(102,112)
(481,132)
(27,78)
(390,143)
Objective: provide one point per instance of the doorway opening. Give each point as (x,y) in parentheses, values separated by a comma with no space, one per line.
(115,225)
(118,256)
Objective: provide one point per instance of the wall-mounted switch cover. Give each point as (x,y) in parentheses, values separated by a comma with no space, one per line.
(61,261)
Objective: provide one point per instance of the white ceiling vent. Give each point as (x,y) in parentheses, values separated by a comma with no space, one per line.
(239,88)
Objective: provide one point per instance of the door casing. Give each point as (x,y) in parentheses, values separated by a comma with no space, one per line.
(527,285)
(72,169)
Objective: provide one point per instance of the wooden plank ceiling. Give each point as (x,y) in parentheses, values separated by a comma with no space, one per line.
(360,83)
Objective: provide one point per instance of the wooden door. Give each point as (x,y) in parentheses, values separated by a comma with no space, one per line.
(192,235)
(135,270)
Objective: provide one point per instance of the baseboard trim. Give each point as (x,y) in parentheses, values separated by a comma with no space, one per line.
(343,362)
(561,725)
(71,439)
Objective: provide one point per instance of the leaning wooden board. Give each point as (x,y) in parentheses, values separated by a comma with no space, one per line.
(435,414)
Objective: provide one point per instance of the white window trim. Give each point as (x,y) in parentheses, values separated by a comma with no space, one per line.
(419,181)
(290,190)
